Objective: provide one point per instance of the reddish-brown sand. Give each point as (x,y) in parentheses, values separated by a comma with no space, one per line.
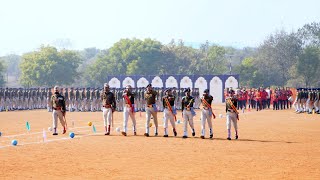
(271,145)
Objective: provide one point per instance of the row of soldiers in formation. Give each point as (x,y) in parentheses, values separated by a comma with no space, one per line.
(307,100)
(77,99)
(168,102)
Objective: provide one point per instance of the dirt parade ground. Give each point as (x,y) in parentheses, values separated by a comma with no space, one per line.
(271,145)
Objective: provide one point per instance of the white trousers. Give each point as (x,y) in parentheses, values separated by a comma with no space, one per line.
(151,111)
(55,115)
(187,117)
(107,116)
(205,117)
(232,116)
(168,115)
(126,113)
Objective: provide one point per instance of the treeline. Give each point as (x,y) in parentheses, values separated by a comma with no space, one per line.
(283,59)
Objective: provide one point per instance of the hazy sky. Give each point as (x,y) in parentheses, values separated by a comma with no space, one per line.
(26,24)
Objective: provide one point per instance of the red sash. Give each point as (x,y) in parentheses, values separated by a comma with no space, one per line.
(128,102)
(208,105)
(234,108)
(170,108)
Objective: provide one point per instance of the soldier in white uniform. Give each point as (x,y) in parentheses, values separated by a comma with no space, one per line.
(151,109)
(187,113)
(169,112)
(232,113)
(129,110)
(206,113)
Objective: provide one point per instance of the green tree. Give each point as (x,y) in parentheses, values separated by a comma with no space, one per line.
(249,74)
(310,34)
(48,67)
(308,65)
(2,73)
(12,62)
(276,56)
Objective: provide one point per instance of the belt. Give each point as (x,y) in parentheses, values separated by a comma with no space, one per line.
(206,108)
(150,106)
(187,109)
(128,105)
(230,110)
(107,106)
(57,108)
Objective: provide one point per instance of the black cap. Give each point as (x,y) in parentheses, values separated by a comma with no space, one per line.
(206,91)
(169,89)
(149,85)
(187,90)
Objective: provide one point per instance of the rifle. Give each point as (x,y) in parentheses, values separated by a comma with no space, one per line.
(170,108)
(233,108)
(209,106)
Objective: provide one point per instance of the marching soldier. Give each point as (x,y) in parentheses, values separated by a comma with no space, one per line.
(232,113)
(151,109)
(187,112)
(59,110)
(109,106)
(128,98)
(169,112)
(206,113)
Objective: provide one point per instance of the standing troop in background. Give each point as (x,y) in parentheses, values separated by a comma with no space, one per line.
(81,99)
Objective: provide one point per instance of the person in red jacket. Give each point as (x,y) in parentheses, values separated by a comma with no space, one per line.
(258,98)
(264,95)
(282,98)
(245,98)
